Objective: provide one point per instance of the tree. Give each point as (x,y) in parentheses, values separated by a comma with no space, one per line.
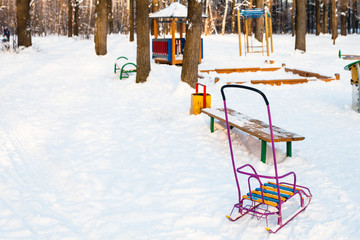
(334,24)
(76,17)
(300,37)
(189,71)
(70,18)
(131,16)
(233,17)
(101,23)
(343,16)
(23,22)
(224,17)
(143,41)
(318,25)
(259,22)
(354,20)
(293,18)
(110,16)
(325,17)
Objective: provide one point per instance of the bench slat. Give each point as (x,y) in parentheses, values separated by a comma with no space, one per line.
(252,126)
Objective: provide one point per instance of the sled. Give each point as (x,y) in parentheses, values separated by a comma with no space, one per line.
(266,195)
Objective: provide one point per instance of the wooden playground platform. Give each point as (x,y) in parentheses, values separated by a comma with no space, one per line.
(307,76)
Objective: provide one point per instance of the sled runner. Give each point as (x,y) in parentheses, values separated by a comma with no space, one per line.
(267,195)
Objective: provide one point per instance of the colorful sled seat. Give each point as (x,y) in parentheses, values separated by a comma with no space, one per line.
(271,193)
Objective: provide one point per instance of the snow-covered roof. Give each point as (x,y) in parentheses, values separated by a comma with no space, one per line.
(174,10)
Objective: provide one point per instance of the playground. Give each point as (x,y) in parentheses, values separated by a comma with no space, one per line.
(85,155)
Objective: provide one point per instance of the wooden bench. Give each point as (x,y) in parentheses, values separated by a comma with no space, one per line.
(125,66)
(253,127)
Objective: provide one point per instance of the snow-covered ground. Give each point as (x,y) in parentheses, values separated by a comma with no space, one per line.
(84,155)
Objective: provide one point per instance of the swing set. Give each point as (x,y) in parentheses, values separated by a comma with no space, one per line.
(266,24)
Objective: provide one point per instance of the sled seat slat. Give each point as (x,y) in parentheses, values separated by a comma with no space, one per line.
(254,199)
(282,186)
(266,190)
(281,191)
(269,194)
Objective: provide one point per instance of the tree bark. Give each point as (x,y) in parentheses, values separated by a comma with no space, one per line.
(189,71)
(224,18)
(143,41)
(334,23)
(131,16)
(343,16)
(317,9)
(300,38)
(76,18)
(354,20)
(325,17)
(293,17)
(70,18)
(110,17)
(233,17)
(101,23)
(206,28)
(258,21)
(23,23)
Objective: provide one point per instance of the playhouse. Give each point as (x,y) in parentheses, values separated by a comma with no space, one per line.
(170,49)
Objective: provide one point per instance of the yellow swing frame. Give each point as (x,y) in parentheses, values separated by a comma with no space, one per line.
(268,31)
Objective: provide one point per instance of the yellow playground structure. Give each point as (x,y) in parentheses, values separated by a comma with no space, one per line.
(265,17)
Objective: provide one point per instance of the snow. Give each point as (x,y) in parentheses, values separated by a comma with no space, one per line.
(174,10)
(84,155)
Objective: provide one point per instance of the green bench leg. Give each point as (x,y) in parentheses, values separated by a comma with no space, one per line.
(288,149)
(263,151)
(212,124)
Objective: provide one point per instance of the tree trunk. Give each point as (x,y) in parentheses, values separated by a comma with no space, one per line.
(23,23)
(293,18)
(212,21)
(300,38)
(325,17)
(206,29)
(189,71)
(308,16)
(76,18)
(286,17)
(224,18)
(101,23)
(317,9)
(131,16)
(334,23)
(143,41)
(354,20)
(70,20)
(110,16)
(343,16)
(233,17)
(258,21)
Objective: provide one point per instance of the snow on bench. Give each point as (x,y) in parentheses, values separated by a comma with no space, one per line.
(253,127)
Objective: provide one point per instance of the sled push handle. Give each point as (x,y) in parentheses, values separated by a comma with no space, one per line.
(244,87)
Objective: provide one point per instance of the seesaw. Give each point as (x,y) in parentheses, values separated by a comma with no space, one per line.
(348,56)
